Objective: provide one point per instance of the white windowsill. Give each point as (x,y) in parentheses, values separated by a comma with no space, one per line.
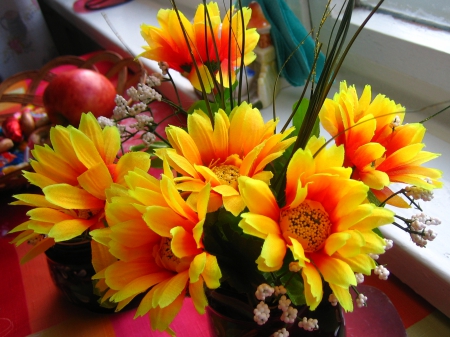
(377,58)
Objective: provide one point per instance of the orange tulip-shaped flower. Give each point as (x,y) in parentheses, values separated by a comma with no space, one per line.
(325,223)
(217,47)
(378,148)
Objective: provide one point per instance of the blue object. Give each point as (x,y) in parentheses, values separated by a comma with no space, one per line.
(287,32)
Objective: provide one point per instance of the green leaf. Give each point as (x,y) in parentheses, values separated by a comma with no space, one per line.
(299,117)
(201,105)
(235,251)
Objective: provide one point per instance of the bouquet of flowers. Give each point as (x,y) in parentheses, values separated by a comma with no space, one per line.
(255,222)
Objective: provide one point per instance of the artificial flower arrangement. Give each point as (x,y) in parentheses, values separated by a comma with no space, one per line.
(241,217)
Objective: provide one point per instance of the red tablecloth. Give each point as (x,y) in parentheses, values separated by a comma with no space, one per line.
(31,305)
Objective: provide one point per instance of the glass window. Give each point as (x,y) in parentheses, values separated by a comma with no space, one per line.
(434,13)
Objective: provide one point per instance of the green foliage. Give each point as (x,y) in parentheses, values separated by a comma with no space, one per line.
(299,117)
(236,252)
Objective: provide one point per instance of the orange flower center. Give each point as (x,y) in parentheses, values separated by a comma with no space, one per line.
(227,174)
(308,223)
(165,256)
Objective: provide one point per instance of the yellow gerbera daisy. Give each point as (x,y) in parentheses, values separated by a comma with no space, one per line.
(157,241)
(73,174)
(212,52)
(325,223)
(239,145)
(377,147)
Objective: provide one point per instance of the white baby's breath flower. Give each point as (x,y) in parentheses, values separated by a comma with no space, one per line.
(280,290)
(361,301)
(308,324)
(389,244)
(284,303)
(148,138)
(382,272)
(289,316)
(264,290)
(419,193)
(104,121)
(281,333)
(333,300)
(262,313)
(154,80)
(359,277)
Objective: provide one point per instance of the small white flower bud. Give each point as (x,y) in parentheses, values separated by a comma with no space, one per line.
(361,301)
(308,324)
(264,290)
(333,300)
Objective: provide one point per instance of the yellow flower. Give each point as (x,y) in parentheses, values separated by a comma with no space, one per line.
(157,241)
(325,223)
(377,147)
(73,175)
(216,53)
(239,145)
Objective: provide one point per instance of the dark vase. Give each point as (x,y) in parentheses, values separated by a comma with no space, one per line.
(71,270)
(223,323)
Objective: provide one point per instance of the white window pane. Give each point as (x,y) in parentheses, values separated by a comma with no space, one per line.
(435,12)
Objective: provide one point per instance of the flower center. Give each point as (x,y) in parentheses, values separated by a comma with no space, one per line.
(227,174)
(308,223)
(164,255)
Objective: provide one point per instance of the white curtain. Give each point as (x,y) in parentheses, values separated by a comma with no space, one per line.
(25,43)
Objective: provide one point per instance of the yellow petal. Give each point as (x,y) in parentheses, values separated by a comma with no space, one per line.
(101,257)
(272,254)
(183,243)
(37,179)
(39,248)
(163,219)
(174,199)
(184,145)
(96,180)
(258,225)
(174,287)
(111,139)
(234,204)
(334,270)
(48,215)
(160,318)
(201,131)
(130,161)
(211,273)
(71,197)
(313,286)
(37,200)
(140,284)
(85,148)
(68,229)
(343,296)
(259,198)
(198,296)
(298,252)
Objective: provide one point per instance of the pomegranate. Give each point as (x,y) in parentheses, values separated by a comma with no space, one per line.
(76,91)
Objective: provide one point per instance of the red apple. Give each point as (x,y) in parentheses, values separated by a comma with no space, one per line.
(76,91)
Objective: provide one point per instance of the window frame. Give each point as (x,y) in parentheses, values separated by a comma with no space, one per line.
(409,61)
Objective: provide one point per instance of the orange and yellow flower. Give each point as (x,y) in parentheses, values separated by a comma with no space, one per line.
(325,222)
(73,174)
(216,52)
(156,239)
(378,148)
(239,145)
